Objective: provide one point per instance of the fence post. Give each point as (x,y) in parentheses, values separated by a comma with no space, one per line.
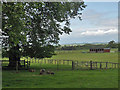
(72,65)
(32,60)
(16,66)
(106,64)
(38,60)
(57,64)
(90,65)
(67,62)
(44,61)
(77,64)
(100,65)
(52,61)
(96,65)
(29,64)
(55,61)
(35,60)
(115,65)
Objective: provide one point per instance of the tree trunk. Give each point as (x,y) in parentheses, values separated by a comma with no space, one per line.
(14,56)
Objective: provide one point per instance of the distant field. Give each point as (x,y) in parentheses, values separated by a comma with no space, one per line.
(81,55)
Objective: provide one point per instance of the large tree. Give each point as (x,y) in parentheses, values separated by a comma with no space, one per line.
(33,28)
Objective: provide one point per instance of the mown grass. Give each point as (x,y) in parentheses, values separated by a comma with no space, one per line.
(68,78)
(61,79)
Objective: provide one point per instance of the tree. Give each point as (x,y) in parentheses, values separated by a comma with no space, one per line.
(112,44)
(33,28)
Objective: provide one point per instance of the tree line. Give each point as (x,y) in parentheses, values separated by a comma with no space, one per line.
(111,44)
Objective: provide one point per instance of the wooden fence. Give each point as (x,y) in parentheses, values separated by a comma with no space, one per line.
(95,65)
(25,64)
(77,64)
(69,64)
(58,64)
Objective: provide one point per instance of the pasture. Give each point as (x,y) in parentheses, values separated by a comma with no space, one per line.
(61,79)
(105,78)
(79,56)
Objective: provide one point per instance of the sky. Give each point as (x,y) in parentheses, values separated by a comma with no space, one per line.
(99,24)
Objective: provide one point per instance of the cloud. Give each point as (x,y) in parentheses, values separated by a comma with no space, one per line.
(101,19)
(99,32)
(96,26)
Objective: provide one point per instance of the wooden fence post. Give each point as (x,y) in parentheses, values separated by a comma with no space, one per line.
(90,65)
(29,64)
(41,61)
(57,64)
(60,61)
(55,61)
(73,65)
(32,60)
(52,61)
(48,61)
(112,65)
(38,60)
(77,64)
(44,61)
(17,66)
(35,60)
(100,65)
(63,62)
(96,65)
(115,65)
(106,64)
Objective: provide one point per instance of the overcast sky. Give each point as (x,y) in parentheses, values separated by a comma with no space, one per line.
(99,24)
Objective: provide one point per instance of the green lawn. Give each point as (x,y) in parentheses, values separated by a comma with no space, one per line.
(61,79)
(68,78)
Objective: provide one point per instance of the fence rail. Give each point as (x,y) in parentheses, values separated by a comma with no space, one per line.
(70,64)
(78,64)
(95,65)
(25,64)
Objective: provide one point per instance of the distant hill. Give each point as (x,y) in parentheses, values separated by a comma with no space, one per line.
(72,44)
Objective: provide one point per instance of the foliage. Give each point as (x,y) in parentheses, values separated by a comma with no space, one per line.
(79,47)
(35,26)
(112,44)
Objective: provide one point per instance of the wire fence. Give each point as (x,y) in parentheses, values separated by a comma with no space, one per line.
(65,64)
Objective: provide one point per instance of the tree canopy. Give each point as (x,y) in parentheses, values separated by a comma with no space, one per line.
(34,27)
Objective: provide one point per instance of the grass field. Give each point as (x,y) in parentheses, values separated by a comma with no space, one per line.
(79,56)
(65,79)
(61,79)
